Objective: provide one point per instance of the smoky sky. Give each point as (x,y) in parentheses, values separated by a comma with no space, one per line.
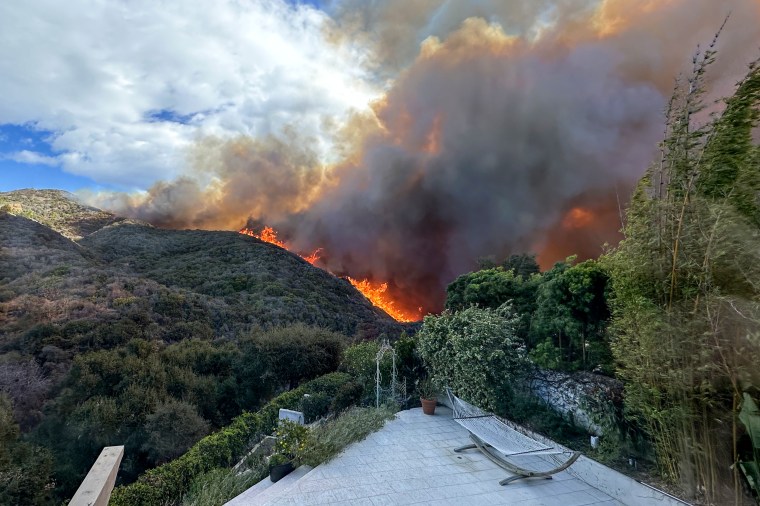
(507,127)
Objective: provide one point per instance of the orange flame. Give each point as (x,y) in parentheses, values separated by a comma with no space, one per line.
(375,293)
(578,218)
(268,234)
(314,257)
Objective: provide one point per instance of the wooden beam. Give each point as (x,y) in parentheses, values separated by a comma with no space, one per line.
(96,488)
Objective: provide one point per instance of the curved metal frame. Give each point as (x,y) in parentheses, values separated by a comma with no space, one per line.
(512,468)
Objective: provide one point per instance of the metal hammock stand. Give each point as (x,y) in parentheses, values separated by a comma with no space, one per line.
(500,442)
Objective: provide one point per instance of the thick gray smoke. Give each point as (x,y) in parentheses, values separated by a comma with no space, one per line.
(519,130)
(488,147)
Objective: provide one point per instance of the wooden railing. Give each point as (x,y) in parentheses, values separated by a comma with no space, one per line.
(96,488)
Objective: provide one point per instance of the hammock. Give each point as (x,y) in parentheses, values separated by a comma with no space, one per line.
(499,441)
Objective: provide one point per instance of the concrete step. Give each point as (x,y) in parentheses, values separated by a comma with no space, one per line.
(265,490)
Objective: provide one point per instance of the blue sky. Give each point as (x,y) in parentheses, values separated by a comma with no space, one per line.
(15,139)
(117,98)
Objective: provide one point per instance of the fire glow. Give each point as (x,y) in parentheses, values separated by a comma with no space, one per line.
(376,293)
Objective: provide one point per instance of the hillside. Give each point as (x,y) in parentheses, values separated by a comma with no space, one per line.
(217,283)
(58,210)
(95,309)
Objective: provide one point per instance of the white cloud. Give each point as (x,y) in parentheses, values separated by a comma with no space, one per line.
(31,157)
(93,72)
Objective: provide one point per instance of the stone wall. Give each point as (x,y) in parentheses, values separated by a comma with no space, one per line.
(588,400)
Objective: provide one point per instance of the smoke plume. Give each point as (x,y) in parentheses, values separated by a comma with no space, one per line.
(506,127)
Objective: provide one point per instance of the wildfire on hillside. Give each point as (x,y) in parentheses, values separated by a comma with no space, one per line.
(267,234)
(489,132)
(376,293)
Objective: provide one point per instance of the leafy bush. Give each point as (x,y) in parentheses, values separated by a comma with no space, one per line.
(492,288)
(327,440)
(25,469)
(315,406)
(299,352)
(426,389)
(349,394)
(474,351)
(408,360)
(172,428)
(291,439)
(359,361)
(166,483)
(278,459)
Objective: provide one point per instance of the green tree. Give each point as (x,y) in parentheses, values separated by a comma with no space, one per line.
(572,315)
(490,288)
(475,351)
(686,281)
(299,352)
(523,265)
(172,428)
(25,469)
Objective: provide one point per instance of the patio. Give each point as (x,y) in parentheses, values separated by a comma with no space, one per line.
(411,461)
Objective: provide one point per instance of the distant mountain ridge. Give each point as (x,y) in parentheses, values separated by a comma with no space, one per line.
(70,273)
(59,210)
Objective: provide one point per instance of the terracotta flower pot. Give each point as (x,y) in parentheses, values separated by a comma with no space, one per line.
(428,406)
(276,473)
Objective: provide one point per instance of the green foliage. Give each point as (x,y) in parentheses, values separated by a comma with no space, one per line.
(546,355)
(315,406)
(217,486)
(685,288)
(327,440)
(572,314)
(278,459)
(523,265)
(426,389)
(359,361)
(291,440)
(298,352)
(158,400)
(408,361)
(491,288)
(474,351)
(750,418)
(25,469)
(121,318)
(169,482)
(349,394)
(172,428)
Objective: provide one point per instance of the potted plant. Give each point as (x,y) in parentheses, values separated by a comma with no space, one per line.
(279,466)
(428,396)
(291,438)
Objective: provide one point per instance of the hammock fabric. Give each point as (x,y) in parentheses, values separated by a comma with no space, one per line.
(499,442)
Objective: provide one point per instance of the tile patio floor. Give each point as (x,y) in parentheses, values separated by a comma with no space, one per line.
(411,461)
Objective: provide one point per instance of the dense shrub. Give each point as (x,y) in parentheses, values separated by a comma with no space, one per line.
(25,469)
(299,352)
(166,484)
(474,351)
(315,406)
(349,394)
